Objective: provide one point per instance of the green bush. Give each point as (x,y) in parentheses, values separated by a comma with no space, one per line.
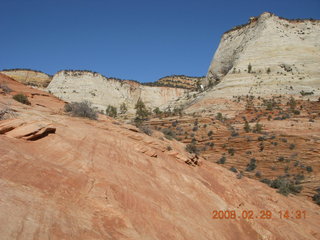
(309,168)
(285,186)
(123,108)
(82,109)
(233,169)
(141,111)
(252,165)
(192,148)
(111,111)
(231,151)
(21,98)
(222,160)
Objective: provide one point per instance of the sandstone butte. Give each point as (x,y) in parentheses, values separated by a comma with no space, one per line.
(71,178)
(29,77)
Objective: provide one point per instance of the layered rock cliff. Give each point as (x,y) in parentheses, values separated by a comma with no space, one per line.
(268,55)
(29,77)
(75,86)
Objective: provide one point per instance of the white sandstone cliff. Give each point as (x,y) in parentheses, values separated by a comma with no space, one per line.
(284,56)
(76,86)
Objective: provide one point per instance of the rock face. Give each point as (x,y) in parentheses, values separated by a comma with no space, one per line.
(29,77)
(181,81)
(99,180)
(75,86)
(284,56)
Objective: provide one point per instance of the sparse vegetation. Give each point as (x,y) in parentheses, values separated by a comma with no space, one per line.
(145,129)
(252,165)
(21,98)
(247,127)
(141,112)
(192,148)
(222,160)
(81,109)
(285,186)
(249,68)
(5,88)
(111,111)
(257,128)
(123,108)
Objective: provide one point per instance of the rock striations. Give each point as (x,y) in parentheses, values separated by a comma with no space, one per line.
(268,55)
(70,178)
(76,86)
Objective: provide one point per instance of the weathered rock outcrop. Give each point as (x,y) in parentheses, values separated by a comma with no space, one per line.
(29,77)
(101,180)
(75,86)
(180,81)
(284,56)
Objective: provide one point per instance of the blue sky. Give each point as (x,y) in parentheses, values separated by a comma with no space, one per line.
(130,39)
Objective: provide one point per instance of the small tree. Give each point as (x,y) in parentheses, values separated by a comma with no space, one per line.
(141,111)
(249,68)
(111,111)
(123,108)
(247,127)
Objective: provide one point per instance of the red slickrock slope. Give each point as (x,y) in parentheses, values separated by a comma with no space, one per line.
(72,178)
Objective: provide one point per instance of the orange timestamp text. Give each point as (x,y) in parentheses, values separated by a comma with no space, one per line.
(262,214)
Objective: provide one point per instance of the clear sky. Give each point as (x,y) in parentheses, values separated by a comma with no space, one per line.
(130,39)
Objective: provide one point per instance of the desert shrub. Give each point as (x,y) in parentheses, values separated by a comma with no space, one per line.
(222,160)
(266,181)
(268,71)
(303,93)
(174,124)
(258,174)
(123,108)
(5,88)
(195,128)
(169,148)
(296,112)
(210,133)
(309,169)
(21,98)
(157,111)
(292,146)
(81,109)
(211,144)
(270,104)
(219,116)
(168,133)
(261,138)
(252,165)
(231,151)
(281,159)
(192,148)
(145,129)
(292,103)
(257,128)
(316,198)
(111,111)
(246,126)
(233,169)
(234,134)
(285,186)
